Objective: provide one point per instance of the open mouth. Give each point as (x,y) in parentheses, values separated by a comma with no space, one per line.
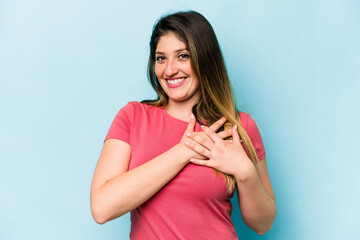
(175,82)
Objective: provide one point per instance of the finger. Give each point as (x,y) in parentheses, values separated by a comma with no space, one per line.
(231,141)
(199,149)
(191,125)
(225,134)
(208,131)
(216,125)
(201,162)
(200,140)
(235,135)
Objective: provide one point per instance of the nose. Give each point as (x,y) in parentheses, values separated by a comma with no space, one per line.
(171,68)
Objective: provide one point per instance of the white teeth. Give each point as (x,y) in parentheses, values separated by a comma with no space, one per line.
(175,81)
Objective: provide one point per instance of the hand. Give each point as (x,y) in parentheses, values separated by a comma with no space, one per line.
(190,130)
(226,156)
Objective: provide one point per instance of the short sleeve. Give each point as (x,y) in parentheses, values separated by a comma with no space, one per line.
(120,127)
(254,134)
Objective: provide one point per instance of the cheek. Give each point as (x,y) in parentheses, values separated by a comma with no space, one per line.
(158,70)
(188,69)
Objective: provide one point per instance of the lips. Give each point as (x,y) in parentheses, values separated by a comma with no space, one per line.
(175,82)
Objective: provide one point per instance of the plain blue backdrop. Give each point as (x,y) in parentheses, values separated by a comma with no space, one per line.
(67,67)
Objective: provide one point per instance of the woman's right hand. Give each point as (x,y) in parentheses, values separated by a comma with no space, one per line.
(190,129)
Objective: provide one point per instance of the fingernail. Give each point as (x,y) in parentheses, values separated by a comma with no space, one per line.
(202,126)
(236,127)
(192,116)
(188,134)
(187,143)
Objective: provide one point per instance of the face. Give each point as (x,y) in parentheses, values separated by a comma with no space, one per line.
(174,72)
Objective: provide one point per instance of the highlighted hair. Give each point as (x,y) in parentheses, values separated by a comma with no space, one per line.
(216,94)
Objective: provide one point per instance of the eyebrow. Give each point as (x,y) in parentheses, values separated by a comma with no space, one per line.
(178,50)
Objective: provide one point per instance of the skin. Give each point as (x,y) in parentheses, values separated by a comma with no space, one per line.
(116,190)
(255,193)
(173,62)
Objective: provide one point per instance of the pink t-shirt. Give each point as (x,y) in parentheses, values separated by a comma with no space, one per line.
(194,204)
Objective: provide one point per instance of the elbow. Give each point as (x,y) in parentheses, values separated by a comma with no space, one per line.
(265,225)
(98,216)
(103,214)
(260,229)
(99,212)
(104,209)
(263,230)
(100,221)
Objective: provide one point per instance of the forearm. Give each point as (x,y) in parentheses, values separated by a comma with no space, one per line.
(128,190)
(257,207)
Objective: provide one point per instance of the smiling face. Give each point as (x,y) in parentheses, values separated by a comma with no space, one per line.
(174,72)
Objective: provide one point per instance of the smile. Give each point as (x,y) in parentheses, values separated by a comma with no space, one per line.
(175,82)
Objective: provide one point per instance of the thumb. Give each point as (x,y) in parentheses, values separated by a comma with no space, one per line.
(191,125)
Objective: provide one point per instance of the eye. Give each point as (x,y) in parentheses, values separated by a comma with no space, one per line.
(184,56)
(160,58)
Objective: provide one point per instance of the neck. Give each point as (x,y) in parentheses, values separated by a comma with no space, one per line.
(180,110)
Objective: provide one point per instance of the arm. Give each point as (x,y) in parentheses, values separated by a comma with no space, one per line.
(116,191)
(256,197)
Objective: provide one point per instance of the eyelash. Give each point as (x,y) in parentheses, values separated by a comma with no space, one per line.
(182,56)
(158,58)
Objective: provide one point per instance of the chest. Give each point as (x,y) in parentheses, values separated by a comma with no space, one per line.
(151,138)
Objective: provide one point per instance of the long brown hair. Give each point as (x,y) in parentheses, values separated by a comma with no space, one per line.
(216,95)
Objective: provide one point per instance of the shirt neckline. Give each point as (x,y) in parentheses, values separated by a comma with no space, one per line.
(164,112)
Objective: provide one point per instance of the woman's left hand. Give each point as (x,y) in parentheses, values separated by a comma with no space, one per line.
(257,205)
(227,156)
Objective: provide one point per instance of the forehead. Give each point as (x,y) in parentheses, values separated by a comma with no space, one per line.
(170,42)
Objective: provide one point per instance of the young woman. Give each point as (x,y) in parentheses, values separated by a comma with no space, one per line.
(175,162)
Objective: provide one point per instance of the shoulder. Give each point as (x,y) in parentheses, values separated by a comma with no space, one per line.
(244,119)
(251,128)
(140,105)
(249,124)
(137,109)
(135,106)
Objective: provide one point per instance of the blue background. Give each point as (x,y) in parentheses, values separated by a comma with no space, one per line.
(67,67)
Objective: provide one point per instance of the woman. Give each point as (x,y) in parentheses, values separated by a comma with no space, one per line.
(174,162)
